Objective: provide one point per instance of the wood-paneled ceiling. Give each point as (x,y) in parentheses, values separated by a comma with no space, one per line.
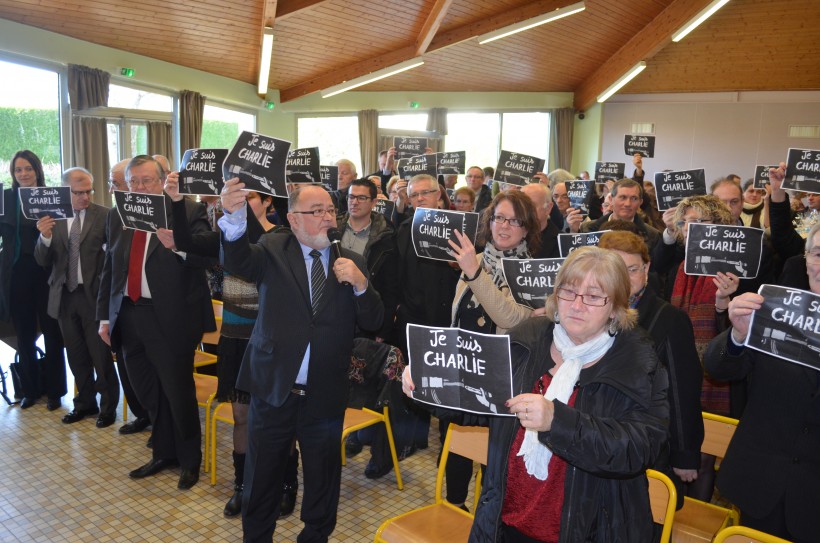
(747,45)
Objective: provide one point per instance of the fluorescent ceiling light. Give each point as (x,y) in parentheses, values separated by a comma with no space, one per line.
(699,18)
(264,63)
(626,78)
(372,76)
(531,23)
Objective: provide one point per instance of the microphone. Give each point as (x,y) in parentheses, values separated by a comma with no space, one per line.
(335,238)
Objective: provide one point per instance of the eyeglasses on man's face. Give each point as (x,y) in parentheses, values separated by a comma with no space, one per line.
(501,219)
(318,213)
(142,183)
(569,295)
(419,194)
(82,192)
(361,198)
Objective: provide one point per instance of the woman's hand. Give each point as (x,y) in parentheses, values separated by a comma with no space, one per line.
(539,312)
(233,198)
(726,284)
(686,475)
(534,412)
(464,252)
(668,218)
(172,186)
(740,314)
(407,385)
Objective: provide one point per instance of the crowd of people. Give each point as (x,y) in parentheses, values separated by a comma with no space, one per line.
(610,376)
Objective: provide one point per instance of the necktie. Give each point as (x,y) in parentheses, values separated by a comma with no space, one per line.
(317,279)
(73,278)
(135,265)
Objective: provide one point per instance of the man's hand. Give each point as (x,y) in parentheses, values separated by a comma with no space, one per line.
(166,237)
(233,197)
(45,225)
(637,161)
(776,176)
(740,313)
(668,218)
(103,333)
(172,186)
(574,220)
(347,272)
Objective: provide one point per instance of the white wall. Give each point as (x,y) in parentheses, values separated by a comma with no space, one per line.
(721,132)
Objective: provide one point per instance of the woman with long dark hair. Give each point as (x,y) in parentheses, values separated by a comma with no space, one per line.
(24,291)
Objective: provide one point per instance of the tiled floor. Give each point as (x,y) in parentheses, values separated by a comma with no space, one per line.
(69,483)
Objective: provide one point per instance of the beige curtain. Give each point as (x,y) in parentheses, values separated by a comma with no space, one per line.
(191,108)
(562,122)
(159,139)
(87,87)
(91,152)
(437,121)
(369,140)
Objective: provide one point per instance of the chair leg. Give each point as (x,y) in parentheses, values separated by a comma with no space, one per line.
(124,408)
(212,436)
(344,439)
(389,429)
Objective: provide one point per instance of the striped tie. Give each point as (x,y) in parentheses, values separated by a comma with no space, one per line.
(317,279)
(73,279)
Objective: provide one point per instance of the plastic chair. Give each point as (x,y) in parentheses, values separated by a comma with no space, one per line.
(222,413)
(357,419)
(205,394)
(202,358)
(441,521)
(698,521)
(742,534)
(662,498)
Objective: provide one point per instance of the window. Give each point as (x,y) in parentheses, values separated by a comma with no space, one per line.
(30,118)
(414,122)
(130,98)
(221,126)
(129,110)
(476,133)
(336,138)
(527,133)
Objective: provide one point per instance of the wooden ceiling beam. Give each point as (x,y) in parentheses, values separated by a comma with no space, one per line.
(288,8)
(269,13)
(431,25)
(438,41)
(645,44)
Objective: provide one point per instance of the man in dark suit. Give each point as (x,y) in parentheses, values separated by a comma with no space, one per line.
(155,303)
(541,196)
(74,249)
(483,194)
(295,367)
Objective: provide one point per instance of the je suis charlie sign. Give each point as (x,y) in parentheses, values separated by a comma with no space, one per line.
(569,242)
(459,369)
(517,168)
(407,147)
(580,194)
(55,202)
(330,177)
(302,166)
(609,170)
(672,187)
(141,211)
(201,171)
(451,163)
(259,162)
(761,178)
(415,165)
(713,248)
(433,228)
(639,144)
(787,325)
(531,280)
(803,170)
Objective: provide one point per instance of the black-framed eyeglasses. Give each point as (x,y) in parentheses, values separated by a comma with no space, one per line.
(82,192)
(318,213)
(501,219)
(419,194)
(568,295)
(361,198)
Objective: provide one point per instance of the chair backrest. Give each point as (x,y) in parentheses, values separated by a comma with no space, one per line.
(717,433)
(217,305)
(212,338)
(468,441)
(742,534)
(662,499)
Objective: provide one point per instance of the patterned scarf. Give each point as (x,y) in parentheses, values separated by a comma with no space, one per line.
(491,260)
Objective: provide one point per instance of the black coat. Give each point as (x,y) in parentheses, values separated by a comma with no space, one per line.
(617,429)
(549,242)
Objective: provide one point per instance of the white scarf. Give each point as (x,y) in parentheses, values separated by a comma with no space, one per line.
(536,455)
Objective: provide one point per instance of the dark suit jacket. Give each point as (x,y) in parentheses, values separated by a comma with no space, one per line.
(181,299)
(286,325)
(92,257)
(549,242)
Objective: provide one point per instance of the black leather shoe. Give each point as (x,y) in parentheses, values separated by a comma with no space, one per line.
(374,471)
(288,499)
(54,403)
(79,414)
(188,478)
(353,447)
(153,467)
(135,426)
(234,505)
(104,421)
(25,403)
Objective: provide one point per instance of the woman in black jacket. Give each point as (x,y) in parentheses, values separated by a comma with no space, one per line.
(590,416)
(674,340)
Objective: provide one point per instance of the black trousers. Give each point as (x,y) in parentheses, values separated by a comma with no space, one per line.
(163,379)
(88,354)
(270,433)
(130,396)
(29,308)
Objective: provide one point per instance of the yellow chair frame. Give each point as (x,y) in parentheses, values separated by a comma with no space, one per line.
(357,419)
(742,534)
(222,413)
(205,394)
(663,497)
(441,521)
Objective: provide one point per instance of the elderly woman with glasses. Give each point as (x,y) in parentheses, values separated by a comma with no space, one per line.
(24,291)
(772,467)
(590,416)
